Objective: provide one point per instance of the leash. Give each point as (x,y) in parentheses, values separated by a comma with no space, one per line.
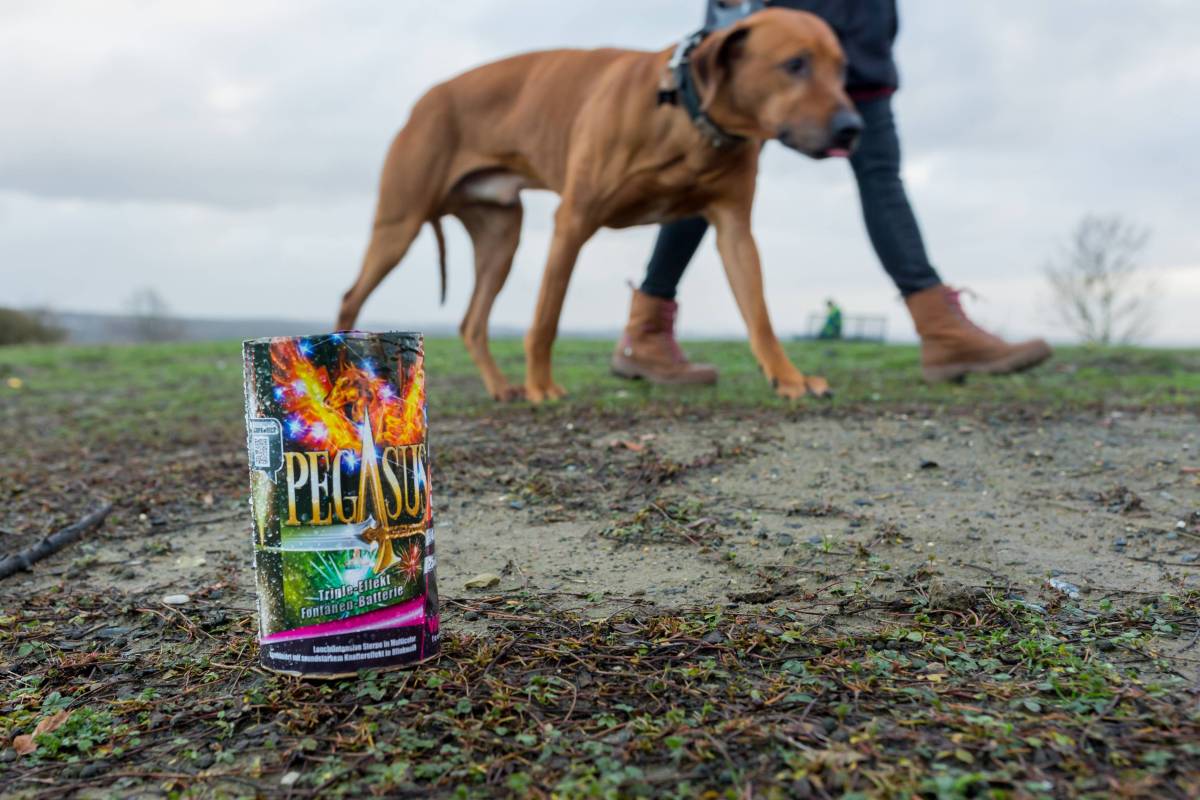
(678,85)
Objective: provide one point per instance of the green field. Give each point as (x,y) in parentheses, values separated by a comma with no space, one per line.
(103,389)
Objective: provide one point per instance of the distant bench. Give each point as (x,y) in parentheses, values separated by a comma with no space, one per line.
(860,328)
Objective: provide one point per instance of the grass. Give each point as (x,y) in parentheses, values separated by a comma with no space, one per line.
(115,391)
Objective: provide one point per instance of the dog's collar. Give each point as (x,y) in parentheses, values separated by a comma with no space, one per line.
(679,86)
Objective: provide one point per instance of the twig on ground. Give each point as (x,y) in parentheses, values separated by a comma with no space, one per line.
(1161,563)
(24,560)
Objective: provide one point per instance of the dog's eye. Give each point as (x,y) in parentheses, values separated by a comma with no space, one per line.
(796,67)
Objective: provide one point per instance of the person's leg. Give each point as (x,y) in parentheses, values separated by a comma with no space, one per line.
(951,345)
(648,348)
(673,250)
(889,217)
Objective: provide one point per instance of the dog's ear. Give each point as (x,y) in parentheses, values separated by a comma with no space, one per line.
(714,58)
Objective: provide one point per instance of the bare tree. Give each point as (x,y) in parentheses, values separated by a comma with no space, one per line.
(1099,286)
(150,318)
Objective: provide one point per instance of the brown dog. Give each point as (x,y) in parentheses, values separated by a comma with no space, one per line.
(591,126)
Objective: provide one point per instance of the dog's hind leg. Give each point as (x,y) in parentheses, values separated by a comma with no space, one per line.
(389,242)
(411,188)
(495,231)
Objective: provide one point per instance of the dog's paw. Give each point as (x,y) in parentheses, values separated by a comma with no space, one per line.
(540,394)
(817,386)
(802,386)
(790,389)
(507,393)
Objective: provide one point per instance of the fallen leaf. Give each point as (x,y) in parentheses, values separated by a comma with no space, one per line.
(485,580)
(208,499)
(617,444)
(51,724)
(26,744)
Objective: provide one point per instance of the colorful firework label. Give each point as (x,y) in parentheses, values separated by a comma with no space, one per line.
(342,503)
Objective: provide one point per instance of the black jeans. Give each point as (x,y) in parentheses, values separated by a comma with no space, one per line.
(889,217)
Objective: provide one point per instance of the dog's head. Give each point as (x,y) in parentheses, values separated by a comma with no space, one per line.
(779,74)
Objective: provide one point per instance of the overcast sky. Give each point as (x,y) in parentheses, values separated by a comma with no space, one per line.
(227,153)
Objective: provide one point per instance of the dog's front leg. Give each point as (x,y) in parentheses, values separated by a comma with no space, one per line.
(571,230)
(739,253)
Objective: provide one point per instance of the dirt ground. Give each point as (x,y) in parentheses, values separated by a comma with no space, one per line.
(781,603)
(688,512)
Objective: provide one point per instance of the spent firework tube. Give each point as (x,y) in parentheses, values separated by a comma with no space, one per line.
(340,494)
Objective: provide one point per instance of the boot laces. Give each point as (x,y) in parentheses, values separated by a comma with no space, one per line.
(954,298)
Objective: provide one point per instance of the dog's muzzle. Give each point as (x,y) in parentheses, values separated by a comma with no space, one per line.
(844,131)
(838,140)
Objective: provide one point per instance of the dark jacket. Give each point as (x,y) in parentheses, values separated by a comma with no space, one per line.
(867,29)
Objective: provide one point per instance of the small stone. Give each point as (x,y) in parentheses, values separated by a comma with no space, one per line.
(1120,543)
(471,616)
(1069,589)
(517,505)
(1190,558)
(815,540)
(785,539)
(176,599)
(484,580)
(289,779)
(927,464)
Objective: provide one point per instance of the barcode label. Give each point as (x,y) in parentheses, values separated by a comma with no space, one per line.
(260,447)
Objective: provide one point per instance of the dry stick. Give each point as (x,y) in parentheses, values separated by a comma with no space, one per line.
(24,560)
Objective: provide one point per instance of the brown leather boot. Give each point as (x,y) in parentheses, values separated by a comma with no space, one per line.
(952,346)
(649,350)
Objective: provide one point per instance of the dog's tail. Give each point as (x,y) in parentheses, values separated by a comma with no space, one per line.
(436,224)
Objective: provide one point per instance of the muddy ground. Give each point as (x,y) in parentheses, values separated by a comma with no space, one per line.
(748,512)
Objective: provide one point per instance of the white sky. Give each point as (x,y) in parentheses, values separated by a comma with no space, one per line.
(226,153)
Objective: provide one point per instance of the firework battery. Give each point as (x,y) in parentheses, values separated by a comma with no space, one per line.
(341,502)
